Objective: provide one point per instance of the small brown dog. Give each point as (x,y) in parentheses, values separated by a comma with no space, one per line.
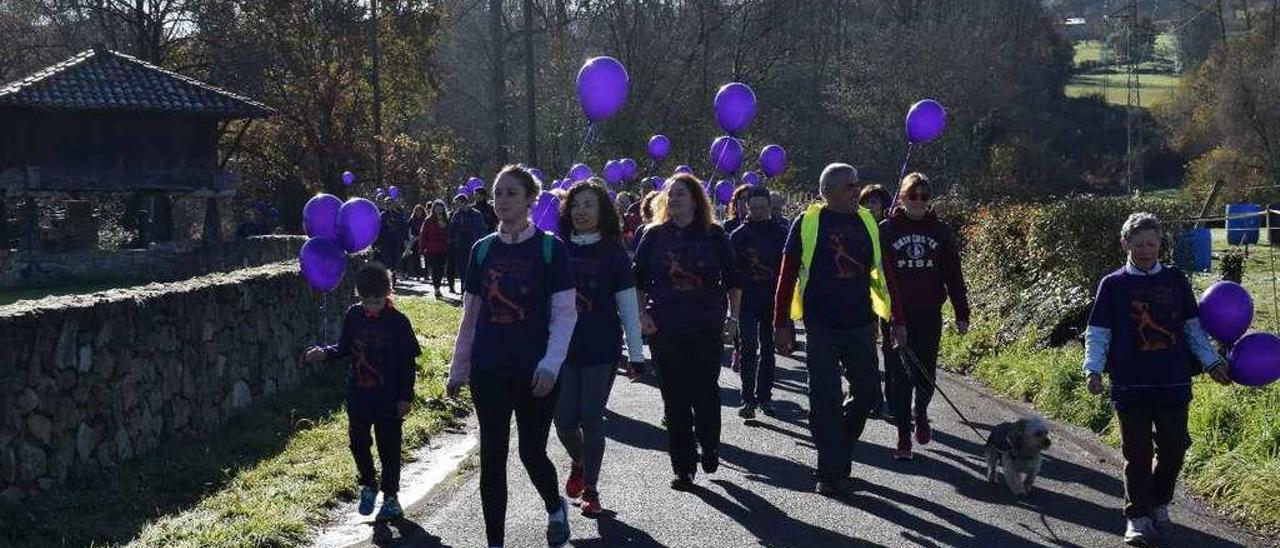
(1013,449)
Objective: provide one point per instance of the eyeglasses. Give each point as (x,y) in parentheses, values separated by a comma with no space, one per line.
(919,196)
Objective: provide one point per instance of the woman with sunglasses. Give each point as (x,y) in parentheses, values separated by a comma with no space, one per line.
(926,266)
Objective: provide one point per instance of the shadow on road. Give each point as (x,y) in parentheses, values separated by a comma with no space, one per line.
(401,532)
(767,522)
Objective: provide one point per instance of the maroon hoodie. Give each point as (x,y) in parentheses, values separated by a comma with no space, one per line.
(925,263)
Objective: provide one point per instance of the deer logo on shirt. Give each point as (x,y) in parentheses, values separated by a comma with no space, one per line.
(501,308)
(1152,337)
(846,266)
(366,372)
(681,278)
(759,270)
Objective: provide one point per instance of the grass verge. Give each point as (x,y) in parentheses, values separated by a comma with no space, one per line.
(269,475)
(1234,461)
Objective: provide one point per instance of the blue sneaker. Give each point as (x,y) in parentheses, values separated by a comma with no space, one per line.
(367,496)
(390,509)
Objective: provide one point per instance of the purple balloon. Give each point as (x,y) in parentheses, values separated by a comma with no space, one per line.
(683,169)
(580,172)
(656,182)
(602,87)
(393,192)
(751,178)
(348,178)
(773,160)
(546,212)
(1255,359)
(735,107)
(925,121)
(322,263)
(724,191)
(465,190)
(659,147)
(1226,310)
(629,168)
(537,174)
(613,172)
(358,224)
(726,154)
(475,183)
(320,216)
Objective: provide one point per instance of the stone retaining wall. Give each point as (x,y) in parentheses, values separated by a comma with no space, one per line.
(92,381)
(162,263)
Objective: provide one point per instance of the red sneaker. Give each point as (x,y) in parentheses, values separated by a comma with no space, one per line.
(591,502)
(903,452)
(574,485)
(923,433)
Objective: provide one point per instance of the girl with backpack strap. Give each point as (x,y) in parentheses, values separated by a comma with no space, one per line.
(518,316)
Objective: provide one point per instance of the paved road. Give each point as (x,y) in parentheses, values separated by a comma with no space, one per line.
(763,494)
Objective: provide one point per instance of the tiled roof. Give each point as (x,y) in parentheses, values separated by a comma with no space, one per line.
(101,79)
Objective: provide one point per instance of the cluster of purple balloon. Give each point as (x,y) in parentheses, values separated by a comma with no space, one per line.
(1226,310)
(334,227)
(546,213)
(471,186)
(618,171)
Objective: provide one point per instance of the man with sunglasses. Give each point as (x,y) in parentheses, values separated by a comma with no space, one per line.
(922,254)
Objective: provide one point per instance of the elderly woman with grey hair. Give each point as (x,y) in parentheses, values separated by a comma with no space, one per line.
(1142,333)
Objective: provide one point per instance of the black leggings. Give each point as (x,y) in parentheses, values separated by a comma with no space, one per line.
(389,433)
(496,398)
(436,262)
(924,334)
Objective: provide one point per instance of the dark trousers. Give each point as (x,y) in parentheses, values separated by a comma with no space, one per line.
(755,333)
(496,398)
(890,360)
(1141,426)
(690,385)
(924,335)
(835,425)
(388,433)
(436,262)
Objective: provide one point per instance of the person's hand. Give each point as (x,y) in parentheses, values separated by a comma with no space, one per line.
(1220,372)
(962,327)
(543,382)
(315,355)
(730,332)
(635,370)
(403,407)
(783,340)
(647,327)
(899,335)
(1095,383)
(453,388)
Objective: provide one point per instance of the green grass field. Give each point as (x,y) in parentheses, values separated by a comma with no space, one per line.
(1235,457)
(1156,88)
(266,479)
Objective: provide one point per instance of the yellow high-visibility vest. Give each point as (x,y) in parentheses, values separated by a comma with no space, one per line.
(880,303)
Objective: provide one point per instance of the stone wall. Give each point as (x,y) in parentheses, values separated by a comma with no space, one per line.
(91,381)
(161,263)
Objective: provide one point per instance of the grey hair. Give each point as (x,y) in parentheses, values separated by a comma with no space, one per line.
(1138,222)
(832,172)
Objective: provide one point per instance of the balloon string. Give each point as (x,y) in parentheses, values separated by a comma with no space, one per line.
(587,138)
(901,174)
(324,318)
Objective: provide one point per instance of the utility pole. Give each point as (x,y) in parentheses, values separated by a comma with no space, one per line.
(377,96)
(530,84)
(1128,16)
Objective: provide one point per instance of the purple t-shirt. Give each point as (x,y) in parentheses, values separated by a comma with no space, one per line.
(758,249)
(600,270)
(838,294)
(515,285)
(382,350)
(687,273)
(1147,357)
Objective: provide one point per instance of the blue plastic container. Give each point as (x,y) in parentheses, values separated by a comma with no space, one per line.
(1201,249)
(1243,231)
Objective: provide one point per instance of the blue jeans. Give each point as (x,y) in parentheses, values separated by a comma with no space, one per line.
(755,333)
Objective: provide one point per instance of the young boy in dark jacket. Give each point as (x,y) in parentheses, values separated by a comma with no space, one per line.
(382,347)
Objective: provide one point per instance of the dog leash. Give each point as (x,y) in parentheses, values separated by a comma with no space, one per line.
(915,363)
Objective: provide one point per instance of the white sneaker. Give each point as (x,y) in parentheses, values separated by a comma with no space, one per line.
(1139,532)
